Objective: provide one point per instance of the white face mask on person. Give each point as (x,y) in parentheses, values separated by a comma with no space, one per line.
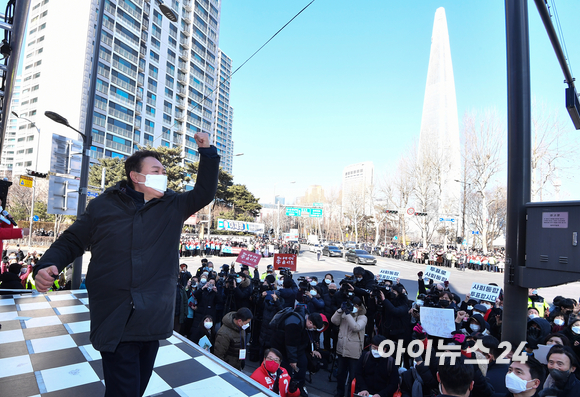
(375,353)
(208,324)
(515,384)
(354,310)
(313,292)
(245,326)
(155,182)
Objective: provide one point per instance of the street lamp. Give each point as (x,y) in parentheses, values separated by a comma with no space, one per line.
(168,12)
(464,201)
(34,176)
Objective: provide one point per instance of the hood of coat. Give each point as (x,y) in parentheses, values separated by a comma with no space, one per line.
(228,321)
(361,311)
(245,283)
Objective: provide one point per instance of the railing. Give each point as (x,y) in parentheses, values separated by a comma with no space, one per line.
(148,128)
(121,83)
(130,39)
(107,40)
(104,56)
(184,42)
(177,141)
(102,71)
(125,54)
(98,138)
(187,4)
(151,101)
(125,69)
(121,98)
(186,17)
(102,87)
(120,131)
(153,74)
(180,102)
(193,121)
(128,24)
(199,25)
(130,10)
(155,33)
(151,87)
(118,146)
(110,9)
(167,109)
(198,74)
(101,105)
(190,156)
(166,136)
(194,84)
(190,144)
(139,95)
(94,154)
(182,78)
(99,121)
(109,25)
(120,115)
(179,115)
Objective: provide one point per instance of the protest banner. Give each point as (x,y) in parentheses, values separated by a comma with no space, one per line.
(484,292)
(436,273)
(437,321)
(285,260)
(248,258)
(385,274)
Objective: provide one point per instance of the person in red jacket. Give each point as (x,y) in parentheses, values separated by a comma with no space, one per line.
(8,232)
(272,376)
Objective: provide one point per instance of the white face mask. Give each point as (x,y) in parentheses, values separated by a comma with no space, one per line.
(474,327)
(375,353)
(487,306)
(533,316)
(419,302)
(327,281)
(203,281)
(155,182)
(354,310)
(245,326)
(576,330)
(515,384)
(313,292)
(208,324)
(558,321)
(469,307)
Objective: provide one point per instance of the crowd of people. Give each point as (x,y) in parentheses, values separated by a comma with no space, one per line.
(297,326)
(16,270)
(193,246)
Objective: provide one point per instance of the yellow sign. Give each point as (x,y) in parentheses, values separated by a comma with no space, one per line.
(25,181)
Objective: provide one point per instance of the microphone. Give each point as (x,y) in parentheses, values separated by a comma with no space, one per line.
(5,217)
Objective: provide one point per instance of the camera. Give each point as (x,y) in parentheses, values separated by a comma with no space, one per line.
(285,271)
(347,306)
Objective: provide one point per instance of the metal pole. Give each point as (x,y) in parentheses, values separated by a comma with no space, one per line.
(31,213)
(103,174)
(278,224)
(519,176)
(87,140)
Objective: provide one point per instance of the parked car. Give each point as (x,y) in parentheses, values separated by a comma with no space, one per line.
(360,257)
(331,250)
(350,245)
(313,247)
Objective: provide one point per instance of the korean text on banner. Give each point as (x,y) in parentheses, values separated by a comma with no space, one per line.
(248,258)
(438,322)
(484,292)
(437,274)
(285,260)
(385,274)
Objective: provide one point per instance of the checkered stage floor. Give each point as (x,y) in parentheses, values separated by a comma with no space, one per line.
(45,351)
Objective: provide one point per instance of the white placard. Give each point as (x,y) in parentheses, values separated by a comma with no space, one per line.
(541,353)
(484,292)
(436,273)
(385,274)
(554,220)
(437,321)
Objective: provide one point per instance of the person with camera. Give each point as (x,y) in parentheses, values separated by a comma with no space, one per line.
(311,297)
(269,303)
(243,290)
(351,320)
(396,318)
(289,291)
(274,377)
(208,296)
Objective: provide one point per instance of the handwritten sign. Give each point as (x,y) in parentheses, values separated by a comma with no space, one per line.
(248,258)
(385,274)
(436,273)
(484,292)
(285,260)
(438,322)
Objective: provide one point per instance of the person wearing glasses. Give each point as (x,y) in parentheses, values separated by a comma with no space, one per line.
(274,377)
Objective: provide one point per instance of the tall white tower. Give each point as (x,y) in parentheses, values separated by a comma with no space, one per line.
(439,141)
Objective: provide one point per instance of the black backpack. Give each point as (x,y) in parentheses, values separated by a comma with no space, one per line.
(279,318)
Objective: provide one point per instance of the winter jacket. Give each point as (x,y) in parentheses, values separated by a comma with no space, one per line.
(351,332)
(180,304)
(289,295)
(396,322)
(269,308)
(134,260)
(570,389)
(229,340)
(375,376)
(9,280)
(243,293)
(292,338)
(207,301)
(264,378)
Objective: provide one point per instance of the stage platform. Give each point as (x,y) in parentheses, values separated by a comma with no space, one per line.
(45,351)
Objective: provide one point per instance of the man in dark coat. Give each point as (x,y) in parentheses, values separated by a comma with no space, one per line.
(10,279)
(396,319)
(376,374)
(133,230)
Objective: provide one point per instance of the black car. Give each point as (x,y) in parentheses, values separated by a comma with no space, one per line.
(331,250)
(360,257)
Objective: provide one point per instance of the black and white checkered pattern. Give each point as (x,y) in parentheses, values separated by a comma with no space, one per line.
(45,351)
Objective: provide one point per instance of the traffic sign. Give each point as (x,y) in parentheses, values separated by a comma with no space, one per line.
(318,205)
(92,194)
(410,210)
(25,181)
(35,218)
(304,212)
(475,232)
(447,220)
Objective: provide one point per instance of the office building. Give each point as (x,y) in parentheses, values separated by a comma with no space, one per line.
(357,182)
(223,113)
(11,148)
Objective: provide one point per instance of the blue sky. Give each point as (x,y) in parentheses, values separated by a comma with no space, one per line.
(345,81)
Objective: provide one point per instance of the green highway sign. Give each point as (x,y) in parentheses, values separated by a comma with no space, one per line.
(304,212)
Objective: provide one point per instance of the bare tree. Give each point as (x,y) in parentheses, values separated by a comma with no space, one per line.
(484,138)
(551,147)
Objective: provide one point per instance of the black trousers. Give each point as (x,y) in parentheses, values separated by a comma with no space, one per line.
(128,369)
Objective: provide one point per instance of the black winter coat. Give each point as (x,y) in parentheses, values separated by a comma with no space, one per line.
(292,338)
(397,319)
(374,375)
(269,308)
(134,256)
(10,280)
(207,301)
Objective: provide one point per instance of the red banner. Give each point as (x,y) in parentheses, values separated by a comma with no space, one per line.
(248,258)
(285,260)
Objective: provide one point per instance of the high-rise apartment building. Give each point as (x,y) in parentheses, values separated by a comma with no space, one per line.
(224,113)
(9,149)
(156,80)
